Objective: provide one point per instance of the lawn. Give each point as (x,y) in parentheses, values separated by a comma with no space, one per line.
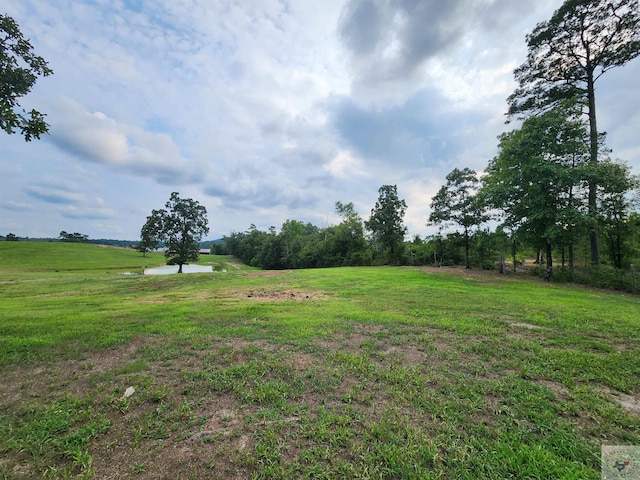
(332,373)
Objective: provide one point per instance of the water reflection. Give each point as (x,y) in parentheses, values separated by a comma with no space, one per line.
(169,269)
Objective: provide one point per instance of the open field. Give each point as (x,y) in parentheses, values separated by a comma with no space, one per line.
(336,373)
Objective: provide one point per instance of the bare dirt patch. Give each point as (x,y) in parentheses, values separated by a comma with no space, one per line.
(557,388)
(481,276)
(269,273)
(527,326)
(471,274)
(23,383)
(300,361)
(526,331)
(630,403)
(264,295)
(209,450)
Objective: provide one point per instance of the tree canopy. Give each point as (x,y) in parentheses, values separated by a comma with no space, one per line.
(567,54)
(180,225)
(19,70)
(457,202)
(538,178)
(386,222)
(149,236)
(73,237)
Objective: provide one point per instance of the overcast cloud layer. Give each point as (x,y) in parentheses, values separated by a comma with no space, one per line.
(266,110)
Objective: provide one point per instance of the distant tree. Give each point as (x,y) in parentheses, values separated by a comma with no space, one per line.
(271,253)
(181,225)
(19,70)
(73,237)
(386,222)
(250,245)
(290,241)
(350,243)
(458,202)
(11,237)
(232,243)
(567,55)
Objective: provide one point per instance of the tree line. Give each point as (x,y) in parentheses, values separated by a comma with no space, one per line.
(381,239)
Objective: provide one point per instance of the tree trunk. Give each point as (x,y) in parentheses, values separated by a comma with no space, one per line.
(466,249)
(593,159)
(179,268)
(549,263)
(619,249)
(616,247)
(571,256)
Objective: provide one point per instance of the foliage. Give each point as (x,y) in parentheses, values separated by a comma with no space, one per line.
(349,244)
(180,225)
(73,237)
(19,70)
(303,245)
(537,180)
(583,40)
(602,276)
(614,208)
(11,237)
(386,223)
(149,238)
(457,202)
(567,54)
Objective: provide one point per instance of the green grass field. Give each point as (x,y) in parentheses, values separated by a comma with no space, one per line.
(370,373)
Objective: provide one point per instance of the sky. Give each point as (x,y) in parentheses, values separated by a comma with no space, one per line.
(267,110)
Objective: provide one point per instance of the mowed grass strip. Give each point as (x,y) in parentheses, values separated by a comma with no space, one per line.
(332,373)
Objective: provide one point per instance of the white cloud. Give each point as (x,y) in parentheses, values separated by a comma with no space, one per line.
(94,137)
(91,213)
(54,195)
(345,165)
(18,206)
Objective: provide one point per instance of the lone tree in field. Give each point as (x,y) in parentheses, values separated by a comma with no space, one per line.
(180,225)
(567,55)
(386,222)
(19,70)
(458,202)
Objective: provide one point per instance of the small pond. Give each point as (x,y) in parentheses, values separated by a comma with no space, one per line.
(169,269)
